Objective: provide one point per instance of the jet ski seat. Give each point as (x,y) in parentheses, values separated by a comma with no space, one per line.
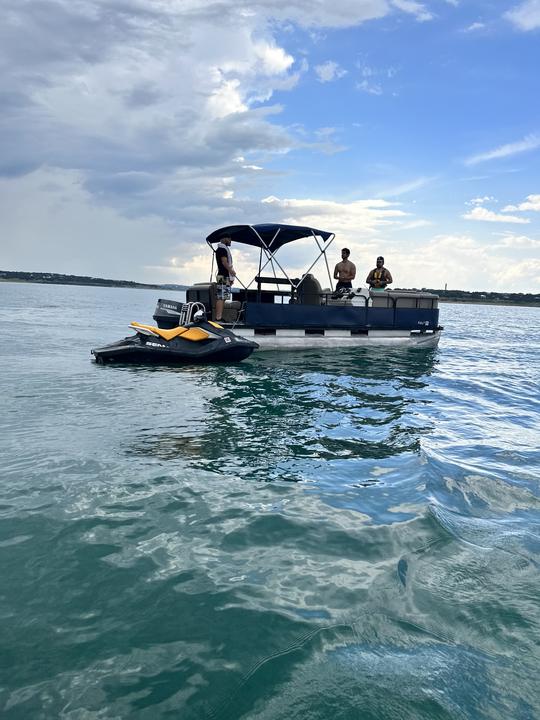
(193,333)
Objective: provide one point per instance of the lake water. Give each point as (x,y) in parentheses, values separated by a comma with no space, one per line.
(315,535)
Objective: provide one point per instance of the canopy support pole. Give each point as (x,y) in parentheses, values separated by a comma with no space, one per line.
(322,252)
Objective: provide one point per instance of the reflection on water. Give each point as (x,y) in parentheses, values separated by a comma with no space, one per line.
(286,414)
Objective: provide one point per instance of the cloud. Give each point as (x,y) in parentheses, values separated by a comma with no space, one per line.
(517,242)
(525,16)
(530,142)
(481,200)
(132,128)
(520,276)
(407,187)
(358,217)
(125,86)
(483,214)
(474,27)
(143,102)
(329,71)
(325,132)
(413,8)
(370,88)
(465,260)
(414,224)
(113,242)
(374,78)
(355,223)
(532,203)
(309,14)
(68,232)
(102,241)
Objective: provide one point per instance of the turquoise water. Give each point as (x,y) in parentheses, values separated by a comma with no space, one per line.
(310,535)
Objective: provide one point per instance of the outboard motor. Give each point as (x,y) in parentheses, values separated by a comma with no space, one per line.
(167,314)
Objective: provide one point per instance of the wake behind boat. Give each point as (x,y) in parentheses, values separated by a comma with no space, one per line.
(279,311)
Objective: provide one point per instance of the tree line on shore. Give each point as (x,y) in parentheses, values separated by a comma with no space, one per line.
(484,296)
(59,279)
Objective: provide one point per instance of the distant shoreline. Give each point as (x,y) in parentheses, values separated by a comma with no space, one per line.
(125,286)
(82,280)
(445,296)
(471,301)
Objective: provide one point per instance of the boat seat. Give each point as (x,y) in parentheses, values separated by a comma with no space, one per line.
(310,290)
(381,298)
(231,310)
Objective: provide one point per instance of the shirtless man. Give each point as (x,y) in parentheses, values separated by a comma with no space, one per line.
(345,271)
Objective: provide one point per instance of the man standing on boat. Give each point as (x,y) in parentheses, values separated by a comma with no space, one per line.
(379,277)
(345,271)
(225,274)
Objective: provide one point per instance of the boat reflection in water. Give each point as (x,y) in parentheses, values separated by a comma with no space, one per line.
(332,421)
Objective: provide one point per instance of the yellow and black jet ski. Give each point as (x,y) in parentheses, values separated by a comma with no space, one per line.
(197,341)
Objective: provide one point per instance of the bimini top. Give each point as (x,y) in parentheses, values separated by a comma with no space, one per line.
(268,235)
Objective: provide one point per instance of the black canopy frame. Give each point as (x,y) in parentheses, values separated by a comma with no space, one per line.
(269,238)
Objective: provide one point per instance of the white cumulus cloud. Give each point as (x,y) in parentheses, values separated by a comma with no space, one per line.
(531,203)
(518,242)
(525,16)
(417,9)
(483,214)
(481,200)
(466,258)
(474,27)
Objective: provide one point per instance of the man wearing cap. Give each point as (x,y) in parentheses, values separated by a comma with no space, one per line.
(225,274)
(379,277)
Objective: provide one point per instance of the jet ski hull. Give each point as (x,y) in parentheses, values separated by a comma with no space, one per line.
(222,346)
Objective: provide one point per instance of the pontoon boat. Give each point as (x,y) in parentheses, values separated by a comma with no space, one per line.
(279,311)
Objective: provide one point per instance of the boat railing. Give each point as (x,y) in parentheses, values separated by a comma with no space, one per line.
(284,293)
(395,300)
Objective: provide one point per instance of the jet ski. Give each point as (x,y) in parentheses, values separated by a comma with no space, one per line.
(198,340)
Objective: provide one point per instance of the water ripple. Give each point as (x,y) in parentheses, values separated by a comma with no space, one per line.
(312,534)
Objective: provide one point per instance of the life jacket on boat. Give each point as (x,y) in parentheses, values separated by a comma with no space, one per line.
(379,277)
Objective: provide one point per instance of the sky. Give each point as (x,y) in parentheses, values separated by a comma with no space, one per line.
(131,129)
